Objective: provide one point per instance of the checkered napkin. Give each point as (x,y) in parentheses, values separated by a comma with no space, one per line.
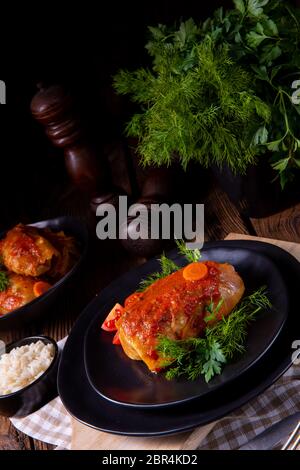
(52,423)
(276,403)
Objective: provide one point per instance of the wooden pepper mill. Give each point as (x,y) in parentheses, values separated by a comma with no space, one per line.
(54,108)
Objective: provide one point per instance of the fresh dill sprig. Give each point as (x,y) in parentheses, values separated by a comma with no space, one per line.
(167,267)
(191,256)
(181,354)
(4,281)
(206,356)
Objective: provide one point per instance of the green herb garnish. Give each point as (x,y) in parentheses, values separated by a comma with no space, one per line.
(206,356)
(194,356)
(168,266)
(213,310)
(191,256)
(4,281)
(263,36)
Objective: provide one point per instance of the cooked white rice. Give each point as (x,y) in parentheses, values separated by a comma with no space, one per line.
(21,366)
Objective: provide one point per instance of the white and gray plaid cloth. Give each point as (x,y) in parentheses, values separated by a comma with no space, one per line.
(52,423)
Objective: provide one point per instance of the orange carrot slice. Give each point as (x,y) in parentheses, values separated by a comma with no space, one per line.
(195,272)
(40,287)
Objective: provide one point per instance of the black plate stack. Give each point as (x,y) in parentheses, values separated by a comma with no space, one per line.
(102,388)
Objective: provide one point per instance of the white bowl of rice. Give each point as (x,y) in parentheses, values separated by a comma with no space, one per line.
(28,375)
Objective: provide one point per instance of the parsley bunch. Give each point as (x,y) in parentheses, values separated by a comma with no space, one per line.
(263,36)
(192,357)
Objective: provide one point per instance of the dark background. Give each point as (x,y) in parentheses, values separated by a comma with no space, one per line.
(80,45)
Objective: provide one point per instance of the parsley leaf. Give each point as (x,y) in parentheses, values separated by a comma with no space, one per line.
(214,360)
(240,6)
(255,7)
(254,39)
(261,136)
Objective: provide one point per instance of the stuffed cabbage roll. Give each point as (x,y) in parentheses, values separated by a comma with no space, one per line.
(179,306)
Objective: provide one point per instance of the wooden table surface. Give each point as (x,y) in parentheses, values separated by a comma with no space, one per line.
(106,261)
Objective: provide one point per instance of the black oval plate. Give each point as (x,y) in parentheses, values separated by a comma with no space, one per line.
(88,407)
(40,306)
(130,383)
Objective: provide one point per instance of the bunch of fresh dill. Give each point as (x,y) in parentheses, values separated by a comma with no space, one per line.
(196,102)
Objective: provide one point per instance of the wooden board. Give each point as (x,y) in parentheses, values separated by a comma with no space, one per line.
(85,438)
(283,226)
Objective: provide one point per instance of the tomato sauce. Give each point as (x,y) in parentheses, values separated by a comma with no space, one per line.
(172,306)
